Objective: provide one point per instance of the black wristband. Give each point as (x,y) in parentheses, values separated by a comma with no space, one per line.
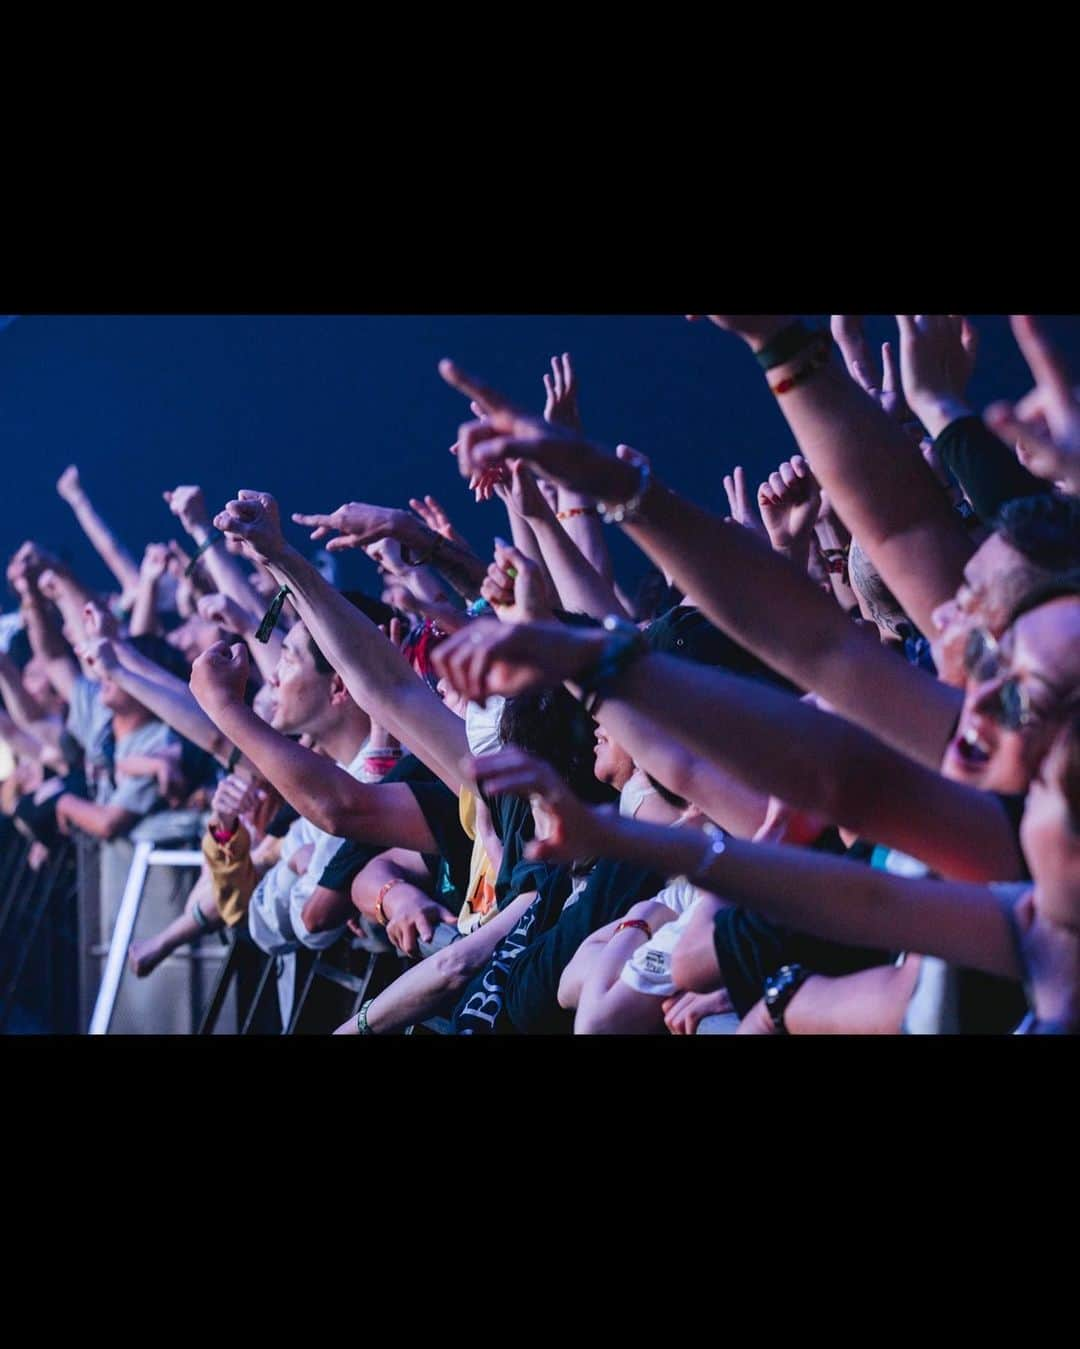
(779,991)
(625,644)
(788,343)
(204,547)
(235,755)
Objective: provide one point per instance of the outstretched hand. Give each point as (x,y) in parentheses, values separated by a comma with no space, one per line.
(561,405)
(508,433)
(356,525)
(1045,425)
(740,504)
(566,829)
(937,357)
(488,657)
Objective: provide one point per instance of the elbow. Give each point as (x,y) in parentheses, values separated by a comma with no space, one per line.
(316,918)
(455,966)
(694,966)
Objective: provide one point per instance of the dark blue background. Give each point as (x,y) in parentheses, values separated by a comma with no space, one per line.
(321,409)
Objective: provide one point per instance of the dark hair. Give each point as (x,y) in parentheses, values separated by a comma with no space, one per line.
(1045,529)
(556,728)
(1065,585)
(162,653)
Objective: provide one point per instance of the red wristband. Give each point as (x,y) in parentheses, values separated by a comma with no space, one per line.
(634,922)
(224,836)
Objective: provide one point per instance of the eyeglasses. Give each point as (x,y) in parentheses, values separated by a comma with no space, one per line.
(1010,705)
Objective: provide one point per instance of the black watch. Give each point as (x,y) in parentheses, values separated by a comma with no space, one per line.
(780,989)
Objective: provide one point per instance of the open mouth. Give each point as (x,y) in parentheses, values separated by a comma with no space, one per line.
(972,750)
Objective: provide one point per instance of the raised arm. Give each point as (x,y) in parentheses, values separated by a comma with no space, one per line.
(168,698)
(772,742)
(377,675)
(873,472)
(358,525)
(322,792)
(108,547)
(189,506)
(47,641)
(757,596)
(832,898)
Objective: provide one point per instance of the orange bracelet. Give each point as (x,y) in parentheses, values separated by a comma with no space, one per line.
(576,510)
(634,922)
(396,880)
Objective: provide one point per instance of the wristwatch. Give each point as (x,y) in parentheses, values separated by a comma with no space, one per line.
(780,989)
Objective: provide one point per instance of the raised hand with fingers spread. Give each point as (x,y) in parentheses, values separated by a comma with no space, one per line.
(937,357)
(508,433)
(740,504)
(561,405)
(885,387)
(1045,425)
(436,519)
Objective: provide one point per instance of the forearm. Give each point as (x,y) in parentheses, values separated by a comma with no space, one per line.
(21,742)
(721,795)
(775,611)
(395,864)
(225,572)
(580,586)
(818,762)
(48,644)
(425,989)
(525,541)
(21,704)
(71,598)
(172,702)
(880,487)
(104,822)
(582,523)
(375,672)
(107,546)
(871,1002)
(144,618)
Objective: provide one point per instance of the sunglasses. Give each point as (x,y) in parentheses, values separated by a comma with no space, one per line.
(1010,706)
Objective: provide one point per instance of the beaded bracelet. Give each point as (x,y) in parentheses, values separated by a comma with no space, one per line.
(379,914)
(628,511)
(362,1027)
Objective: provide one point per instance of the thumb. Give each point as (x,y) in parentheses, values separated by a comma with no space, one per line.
(446,916)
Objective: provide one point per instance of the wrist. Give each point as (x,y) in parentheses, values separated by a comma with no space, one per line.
(799,1016)
(938,413)
(765,329)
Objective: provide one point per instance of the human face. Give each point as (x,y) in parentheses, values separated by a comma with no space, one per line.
(450,696)
(1041,651)
(116,700)
(613,765)
(194,636)
(1051,843)
(302,693)
(993,577)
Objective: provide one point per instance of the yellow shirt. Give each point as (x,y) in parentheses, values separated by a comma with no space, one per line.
(480,905)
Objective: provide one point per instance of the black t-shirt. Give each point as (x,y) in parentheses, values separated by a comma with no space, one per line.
(750,948)
(449,867)
(481,1009)
(685,632)
(531,1004)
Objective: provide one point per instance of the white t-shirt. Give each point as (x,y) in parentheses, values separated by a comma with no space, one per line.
(649,969)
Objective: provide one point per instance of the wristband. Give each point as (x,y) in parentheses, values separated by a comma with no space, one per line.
(779,991)
(362,1027)
(575,511)
(714,848)
(223,836)
(379,914)
(479,609)
(818,360)
(628,511)
(270,618)
(235,755)
(639,923)
(625,644)
(204,547)
(788,343)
